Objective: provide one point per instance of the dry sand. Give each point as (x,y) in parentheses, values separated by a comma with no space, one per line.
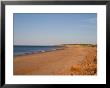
(72,60)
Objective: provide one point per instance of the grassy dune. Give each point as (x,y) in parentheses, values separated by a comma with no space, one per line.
(87,67)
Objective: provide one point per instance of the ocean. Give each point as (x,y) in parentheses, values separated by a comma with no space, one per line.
(24,50)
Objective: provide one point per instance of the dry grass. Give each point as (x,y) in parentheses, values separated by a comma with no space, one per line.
(87,67)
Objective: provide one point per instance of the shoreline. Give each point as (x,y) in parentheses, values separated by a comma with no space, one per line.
(71,60)
(62,47)
(41,51)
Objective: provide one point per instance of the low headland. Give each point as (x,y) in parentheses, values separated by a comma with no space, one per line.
(71,59)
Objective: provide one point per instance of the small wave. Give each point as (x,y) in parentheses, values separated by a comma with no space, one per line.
(43,51)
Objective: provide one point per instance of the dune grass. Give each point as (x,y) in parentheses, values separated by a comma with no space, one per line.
(87,67)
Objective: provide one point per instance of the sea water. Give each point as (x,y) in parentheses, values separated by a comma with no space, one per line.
(22,50)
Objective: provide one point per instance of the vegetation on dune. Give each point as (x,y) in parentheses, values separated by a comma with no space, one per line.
(89,45)
(87,67)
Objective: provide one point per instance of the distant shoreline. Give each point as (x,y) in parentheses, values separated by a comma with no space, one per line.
(61,47)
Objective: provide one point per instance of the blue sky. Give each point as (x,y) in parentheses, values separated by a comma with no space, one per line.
(55,28)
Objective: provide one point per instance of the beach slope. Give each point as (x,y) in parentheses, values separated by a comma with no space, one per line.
(72,60)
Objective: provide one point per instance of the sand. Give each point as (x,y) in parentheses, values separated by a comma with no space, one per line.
(72,60)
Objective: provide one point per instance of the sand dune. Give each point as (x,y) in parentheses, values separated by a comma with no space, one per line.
(72,60)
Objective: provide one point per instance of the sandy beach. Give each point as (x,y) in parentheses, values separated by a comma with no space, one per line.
(72,60)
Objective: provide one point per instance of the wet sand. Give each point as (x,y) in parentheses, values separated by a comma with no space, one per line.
(72,60)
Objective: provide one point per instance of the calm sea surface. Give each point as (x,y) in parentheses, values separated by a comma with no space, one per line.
(22,50)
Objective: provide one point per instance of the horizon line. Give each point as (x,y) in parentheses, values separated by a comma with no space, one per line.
(56,44)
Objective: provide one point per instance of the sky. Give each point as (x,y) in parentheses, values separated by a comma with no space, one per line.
(55,28)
